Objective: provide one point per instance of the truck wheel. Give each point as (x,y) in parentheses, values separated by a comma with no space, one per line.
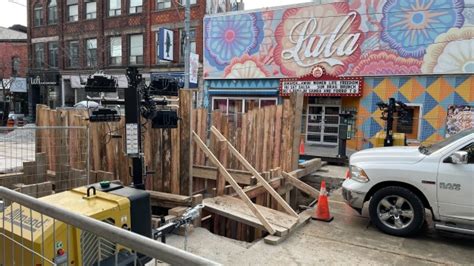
(397,211)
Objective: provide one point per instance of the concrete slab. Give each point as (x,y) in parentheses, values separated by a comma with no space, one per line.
(349,239)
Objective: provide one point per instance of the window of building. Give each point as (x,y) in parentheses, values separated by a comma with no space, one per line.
(192,2)
(115,51)
(91,53)
(15,66)
(72,10)
(73,54)
(91,9)
(163,4)
(236,105)
(115,7)
(409,123)
(53,59)
(38,15)
(192,42)
(136,49)
(39,55)
(136,6)
(52,12)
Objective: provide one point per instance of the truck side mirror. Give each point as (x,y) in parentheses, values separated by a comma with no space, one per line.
(459,157)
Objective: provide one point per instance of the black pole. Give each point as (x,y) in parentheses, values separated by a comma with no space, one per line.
(390,111)
(132,116)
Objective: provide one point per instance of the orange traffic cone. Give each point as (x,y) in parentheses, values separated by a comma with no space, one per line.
(322,209)
(301,147)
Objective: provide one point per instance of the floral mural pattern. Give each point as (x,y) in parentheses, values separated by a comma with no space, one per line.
(409,26)
(231,38)
(355,37)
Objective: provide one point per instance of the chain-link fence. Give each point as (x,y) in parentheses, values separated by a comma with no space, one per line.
(38,160)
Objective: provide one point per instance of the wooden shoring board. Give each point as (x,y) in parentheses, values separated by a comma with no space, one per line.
(250,168)
(210,173)
(235,209)
(301,185)
(234,184)
(305,217)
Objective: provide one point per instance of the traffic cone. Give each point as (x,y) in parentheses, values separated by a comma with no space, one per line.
(301,147)
(322,209)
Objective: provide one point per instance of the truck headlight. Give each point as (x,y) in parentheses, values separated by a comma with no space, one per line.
(358,174)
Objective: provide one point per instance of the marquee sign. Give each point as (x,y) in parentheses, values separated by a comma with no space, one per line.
(319,83)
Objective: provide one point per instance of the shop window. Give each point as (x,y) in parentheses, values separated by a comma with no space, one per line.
(39,55)
(73,54)
(53,54)
(38,15)
(163,4)
(136,6)
(236,105)
(115,8)
(409,123)
(192,2)
(91,52)
(136,49)
(91,9)
(115,51)
(52,12)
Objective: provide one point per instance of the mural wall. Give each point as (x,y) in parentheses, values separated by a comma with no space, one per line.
(357,37)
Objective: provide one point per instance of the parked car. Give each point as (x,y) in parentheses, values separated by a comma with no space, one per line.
(402,182)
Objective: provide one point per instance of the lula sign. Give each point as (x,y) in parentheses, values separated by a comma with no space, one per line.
(311,48)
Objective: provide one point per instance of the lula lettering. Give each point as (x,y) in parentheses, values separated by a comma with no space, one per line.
(321,48)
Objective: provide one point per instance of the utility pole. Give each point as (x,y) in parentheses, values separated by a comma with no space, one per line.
(187,52)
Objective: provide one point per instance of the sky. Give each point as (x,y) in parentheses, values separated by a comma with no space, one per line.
(11,13)
(14,11)
(253,4)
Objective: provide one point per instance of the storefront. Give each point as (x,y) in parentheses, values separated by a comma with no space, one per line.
(44,88)
(420,55)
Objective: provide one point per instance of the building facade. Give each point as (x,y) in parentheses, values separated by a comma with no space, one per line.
(71,39)
(13,69)
(347,57)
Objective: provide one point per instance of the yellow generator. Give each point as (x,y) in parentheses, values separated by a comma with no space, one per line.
(399,139)
(34,239)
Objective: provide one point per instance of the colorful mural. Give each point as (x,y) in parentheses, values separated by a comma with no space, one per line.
(356,37)
(435,95)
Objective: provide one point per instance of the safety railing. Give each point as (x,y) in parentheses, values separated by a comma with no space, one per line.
(35,232)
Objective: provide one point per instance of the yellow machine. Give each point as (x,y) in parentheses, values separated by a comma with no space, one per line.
(35,239)
(399,139)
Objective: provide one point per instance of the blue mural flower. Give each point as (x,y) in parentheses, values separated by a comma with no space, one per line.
(409,26)
(228,37)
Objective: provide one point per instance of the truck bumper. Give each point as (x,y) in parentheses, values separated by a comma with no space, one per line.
(353,197)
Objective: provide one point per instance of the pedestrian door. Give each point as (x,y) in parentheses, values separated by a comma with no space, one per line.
(322,125)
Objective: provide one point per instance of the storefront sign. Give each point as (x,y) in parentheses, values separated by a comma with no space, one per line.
(166,44)
(319,83)
(18,85)
(37,81)
(349,38)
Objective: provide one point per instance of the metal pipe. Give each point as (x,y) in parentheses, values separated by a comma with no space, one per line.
(139,243)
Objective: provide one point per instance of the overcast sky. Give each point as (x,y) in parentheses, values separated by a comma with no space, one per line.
(253,4)
(14,11)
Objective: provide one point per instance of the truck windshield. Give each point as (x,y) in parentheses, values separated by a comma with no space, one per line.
(433,148)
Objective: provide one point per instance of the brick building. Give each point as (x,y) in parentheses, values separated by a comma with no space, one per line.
(13,68)
(71,39)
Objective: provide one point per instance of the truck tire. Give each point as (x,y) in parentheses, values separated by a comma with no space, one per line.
(397,211)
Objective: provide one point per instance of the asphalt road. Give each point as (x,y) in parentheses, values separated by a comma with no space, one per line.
(348,240)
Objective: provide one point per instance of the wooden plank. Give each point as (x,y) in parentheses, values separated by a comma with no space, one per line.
(185,168)
(166,160)
(234,184)
(278,136)
(235,209)
(305,218)
(250,168)
(266,136)
(175,187)
(209,172)
(222,156)
(167,200)
(301,185)
(297,106)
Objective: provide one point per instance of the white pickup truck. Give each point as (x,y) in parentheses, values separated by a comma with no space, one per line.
(402,182)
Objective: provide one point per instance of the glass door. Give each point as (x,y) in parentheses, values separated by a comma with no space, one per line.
(322,124)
